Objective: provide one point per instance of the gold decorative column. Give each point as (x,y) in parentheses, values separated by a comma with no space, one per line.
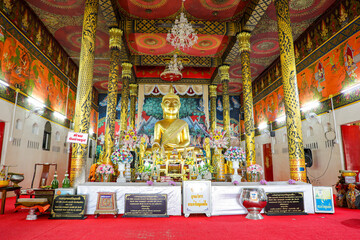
(126,76)
(244,48)
(224,75)
(133,97)
(115,47)
(84,91)
(212,90)
(291,95)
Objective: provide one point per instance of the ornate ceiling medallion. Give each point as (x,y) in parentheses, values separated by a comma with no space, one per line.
(172,72)
(182,35)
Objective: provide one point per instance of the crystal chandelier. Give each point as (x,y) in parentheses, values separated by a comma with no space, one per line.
(182,35)
(173,71)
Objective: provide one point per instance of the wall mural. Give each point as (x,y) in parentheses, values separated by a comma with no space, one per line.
(234,114)
(333,72)
(21,68)
(192,111)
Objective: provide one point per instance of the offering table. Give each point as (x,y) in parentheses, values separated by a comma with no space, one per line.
(90,189)
(226,196)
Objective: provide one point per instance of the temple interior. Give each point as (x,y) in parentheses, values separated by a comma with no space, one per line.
(275,79)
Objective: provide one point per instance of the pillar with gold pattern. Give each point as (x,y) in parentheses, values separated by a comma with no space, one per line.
(115,46)
(84,91)
(244,48)
(291,95)
(212,90)
(133,97)
(126,76)
(224,75)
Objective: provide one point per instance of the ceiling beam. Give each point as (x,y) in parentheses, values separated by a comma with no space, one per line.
(248,22)
(187,61)
(112,17)
(163,26)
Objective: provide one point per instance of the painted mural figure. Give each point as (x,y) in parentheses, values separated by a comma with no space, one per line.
(350,65)
(219,105)
(320,76)
(236,102)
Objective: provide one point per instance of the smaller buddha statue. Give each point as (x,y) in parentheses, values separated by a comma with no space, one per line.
(207,150)
(142,151)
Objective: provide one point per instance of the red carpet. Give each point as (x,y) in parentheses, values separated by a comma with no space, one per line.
(344,224)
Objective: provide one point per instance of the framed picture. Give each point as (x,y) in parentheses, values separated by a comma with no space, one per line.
(323,200)
(106,203)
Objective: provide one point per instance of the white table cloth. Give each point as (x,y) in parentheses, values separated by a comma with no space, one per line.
(90,189)
(226,196)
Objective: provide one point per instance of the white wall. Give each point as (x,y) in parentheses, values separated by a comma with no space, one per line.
(22,156)
(321,155)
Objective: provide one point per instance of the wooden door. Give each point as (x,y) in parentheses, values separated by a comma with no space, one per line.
(268,166)
(351,145)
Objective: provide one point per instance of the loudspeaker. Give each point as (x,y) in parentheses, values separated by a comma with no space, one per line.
(308,157)
(272,133)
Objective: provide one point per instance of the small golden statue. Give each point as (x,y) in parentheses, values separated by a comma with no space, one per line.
(171,132)
(206,147)
(142,151)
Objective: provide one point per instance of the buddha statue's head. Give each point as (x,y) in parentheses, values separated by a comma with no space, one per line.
(171,104)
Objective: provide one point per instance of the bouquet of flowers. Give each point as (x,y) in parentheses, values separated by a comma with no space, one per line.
(218,139)
(145,168)
(205,168)
(255,168)
(105,169)
(130,139)
(235,154)
(121,155)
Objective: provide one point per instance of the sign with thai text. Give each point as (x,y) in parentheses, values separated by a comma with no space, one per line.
(197,197)
(74,137)
(145,205)
(285,203)
(68,207)
(323,200)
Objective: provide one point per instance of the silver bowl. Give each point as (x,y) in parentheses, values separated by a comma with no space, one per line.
(16,179)
(254,200)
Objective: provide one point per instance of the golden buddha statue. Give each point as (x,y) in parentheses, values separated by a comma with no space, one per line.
(171,132)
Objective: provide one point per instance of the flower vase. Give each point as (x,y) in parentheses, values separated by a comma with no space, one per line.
(220,173)
(128,172)
(121,168)
(105,177)
(235,176)
(253,177)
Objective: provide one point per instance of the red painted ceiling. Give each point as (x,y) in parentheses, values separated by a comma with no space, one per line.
(64,20)
(156,44)
(212,10)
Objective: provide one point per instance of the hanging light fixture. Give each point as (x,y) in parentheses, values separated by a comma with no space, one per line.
(172,71)
(182,35)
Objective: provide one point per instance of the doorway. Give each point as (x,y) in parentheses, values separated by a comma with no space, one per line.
(268,165)
(351,145)
(2,130)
